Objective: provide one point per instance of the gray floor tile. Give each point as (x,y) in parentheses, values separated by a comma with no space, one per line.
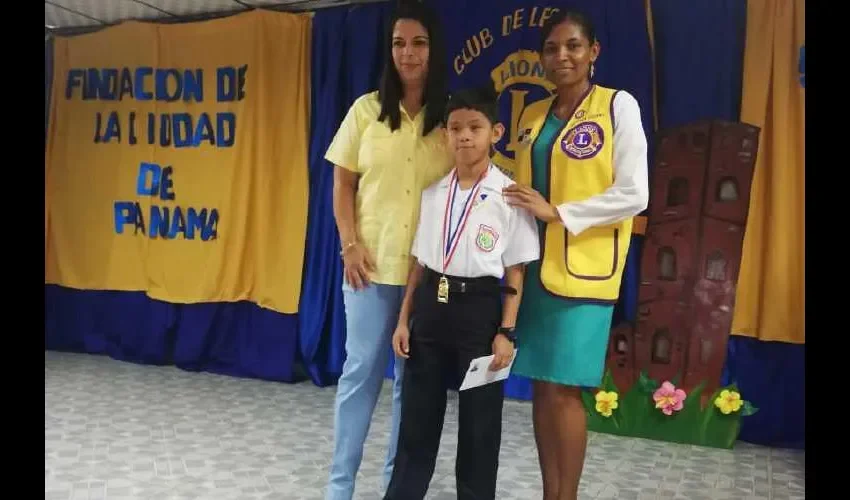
(118,431)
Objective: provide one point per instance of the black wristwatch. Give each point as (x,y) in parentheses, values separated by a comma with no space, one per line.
(509,332)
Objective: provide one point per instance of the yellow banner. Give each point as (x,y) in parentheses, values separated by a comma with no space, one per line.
(177,160)
(770,303)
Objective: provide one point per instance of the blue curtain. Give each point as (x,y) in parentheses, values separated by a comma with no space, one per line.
(345,65)
(700,58)
(699,55)
(773,377)
(239,339)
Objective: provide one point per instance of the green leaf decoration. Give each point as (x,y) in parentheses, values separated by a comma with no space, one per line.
(608,383)
(723,430)
(748,409)
(693,398)
(676,379)
(682,426)
(709,414)
(695,424)
(635,406)
(647,384)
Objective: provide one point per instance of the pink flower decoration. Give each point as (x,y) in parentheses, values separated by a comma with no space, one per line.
(668,398)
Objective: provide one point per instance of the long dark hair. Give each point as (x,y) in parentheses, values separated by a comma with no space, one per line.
(391,91)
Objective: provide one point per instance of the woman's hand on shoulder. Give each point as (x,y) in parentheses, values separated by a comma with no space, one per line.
(517,195)
(357,265)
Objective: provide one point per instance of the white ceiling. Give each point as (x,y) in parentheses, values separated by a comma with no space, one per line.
(60,15)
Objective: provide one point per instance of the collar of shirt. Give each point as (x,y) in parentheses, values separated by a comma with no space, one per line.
(419,118)
(493,182)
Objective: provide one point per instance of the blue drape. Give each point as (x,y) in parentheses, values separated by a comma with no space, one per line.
(239,339)
(772,376)
(345,65)
(699,53)
(700,59)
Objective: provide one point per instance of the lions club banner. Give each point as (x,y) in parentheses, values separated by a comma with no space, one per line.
(177,160)
(498,41)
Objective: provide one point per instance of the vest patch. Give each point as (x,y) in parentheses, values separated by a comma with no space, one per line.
(583,141)
(486,238)
(579,164)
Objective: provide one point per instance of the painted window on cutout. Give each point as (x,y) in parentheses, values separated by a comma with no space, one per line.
(727,190)
(661,346)
(677,192)
(667,264)
(715,268)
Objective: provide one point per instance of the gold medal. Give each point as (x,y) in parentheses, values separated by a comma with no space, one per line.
(443,290)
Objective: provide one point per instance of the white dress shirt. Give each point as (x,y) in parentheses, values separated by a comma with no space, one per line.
(492,237)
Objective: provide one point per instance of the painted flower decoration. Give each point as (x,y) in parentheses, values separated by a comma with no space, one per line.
(669,399)
(728,401)
(606,402)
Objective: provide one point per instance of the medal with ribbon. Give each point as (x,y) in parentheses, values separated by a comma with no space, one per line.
(451,238)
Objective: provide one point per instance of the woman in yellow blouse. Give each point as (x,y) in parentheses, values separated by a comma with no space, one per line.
(388,149)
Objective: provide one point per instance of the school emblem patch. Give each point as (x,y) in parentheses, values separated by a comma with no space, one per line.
(583,141)
(486,238)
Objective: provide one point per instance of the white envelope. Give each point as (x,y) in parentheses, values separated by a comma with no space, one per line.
(479,373)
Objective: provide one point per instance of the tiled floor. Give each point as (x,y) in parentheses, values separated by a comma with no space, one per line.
(120,431)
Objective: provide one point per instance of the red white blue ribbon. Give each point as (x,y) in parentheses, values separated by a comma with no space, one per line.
(451,238)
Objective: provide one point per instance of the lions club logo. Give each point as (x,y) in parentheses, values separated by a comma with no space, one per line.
(520,81)
(583,141)
(486,238)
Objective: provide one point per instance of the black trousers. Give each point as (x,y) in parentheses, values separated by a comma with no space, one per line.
(444,338)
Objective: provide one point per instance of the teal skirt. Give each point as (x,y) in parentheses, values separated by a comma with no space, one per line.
(560,341)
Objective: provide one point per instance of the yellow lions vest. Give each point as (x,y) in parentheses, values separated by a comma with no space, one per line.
(581,165)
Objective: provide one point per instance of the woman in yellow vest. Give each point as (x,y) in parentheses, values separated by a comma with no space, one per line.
(582,171)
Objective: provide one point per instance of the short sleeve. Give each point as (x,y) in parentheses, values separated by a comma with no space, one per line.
(523,239)
(345,147)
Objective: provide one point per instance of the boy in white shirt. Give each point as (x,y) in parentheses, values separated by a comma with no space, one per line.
(468,240)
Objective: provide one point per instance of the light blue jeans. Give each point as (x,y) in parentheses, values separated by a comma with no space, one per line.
(371,315)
